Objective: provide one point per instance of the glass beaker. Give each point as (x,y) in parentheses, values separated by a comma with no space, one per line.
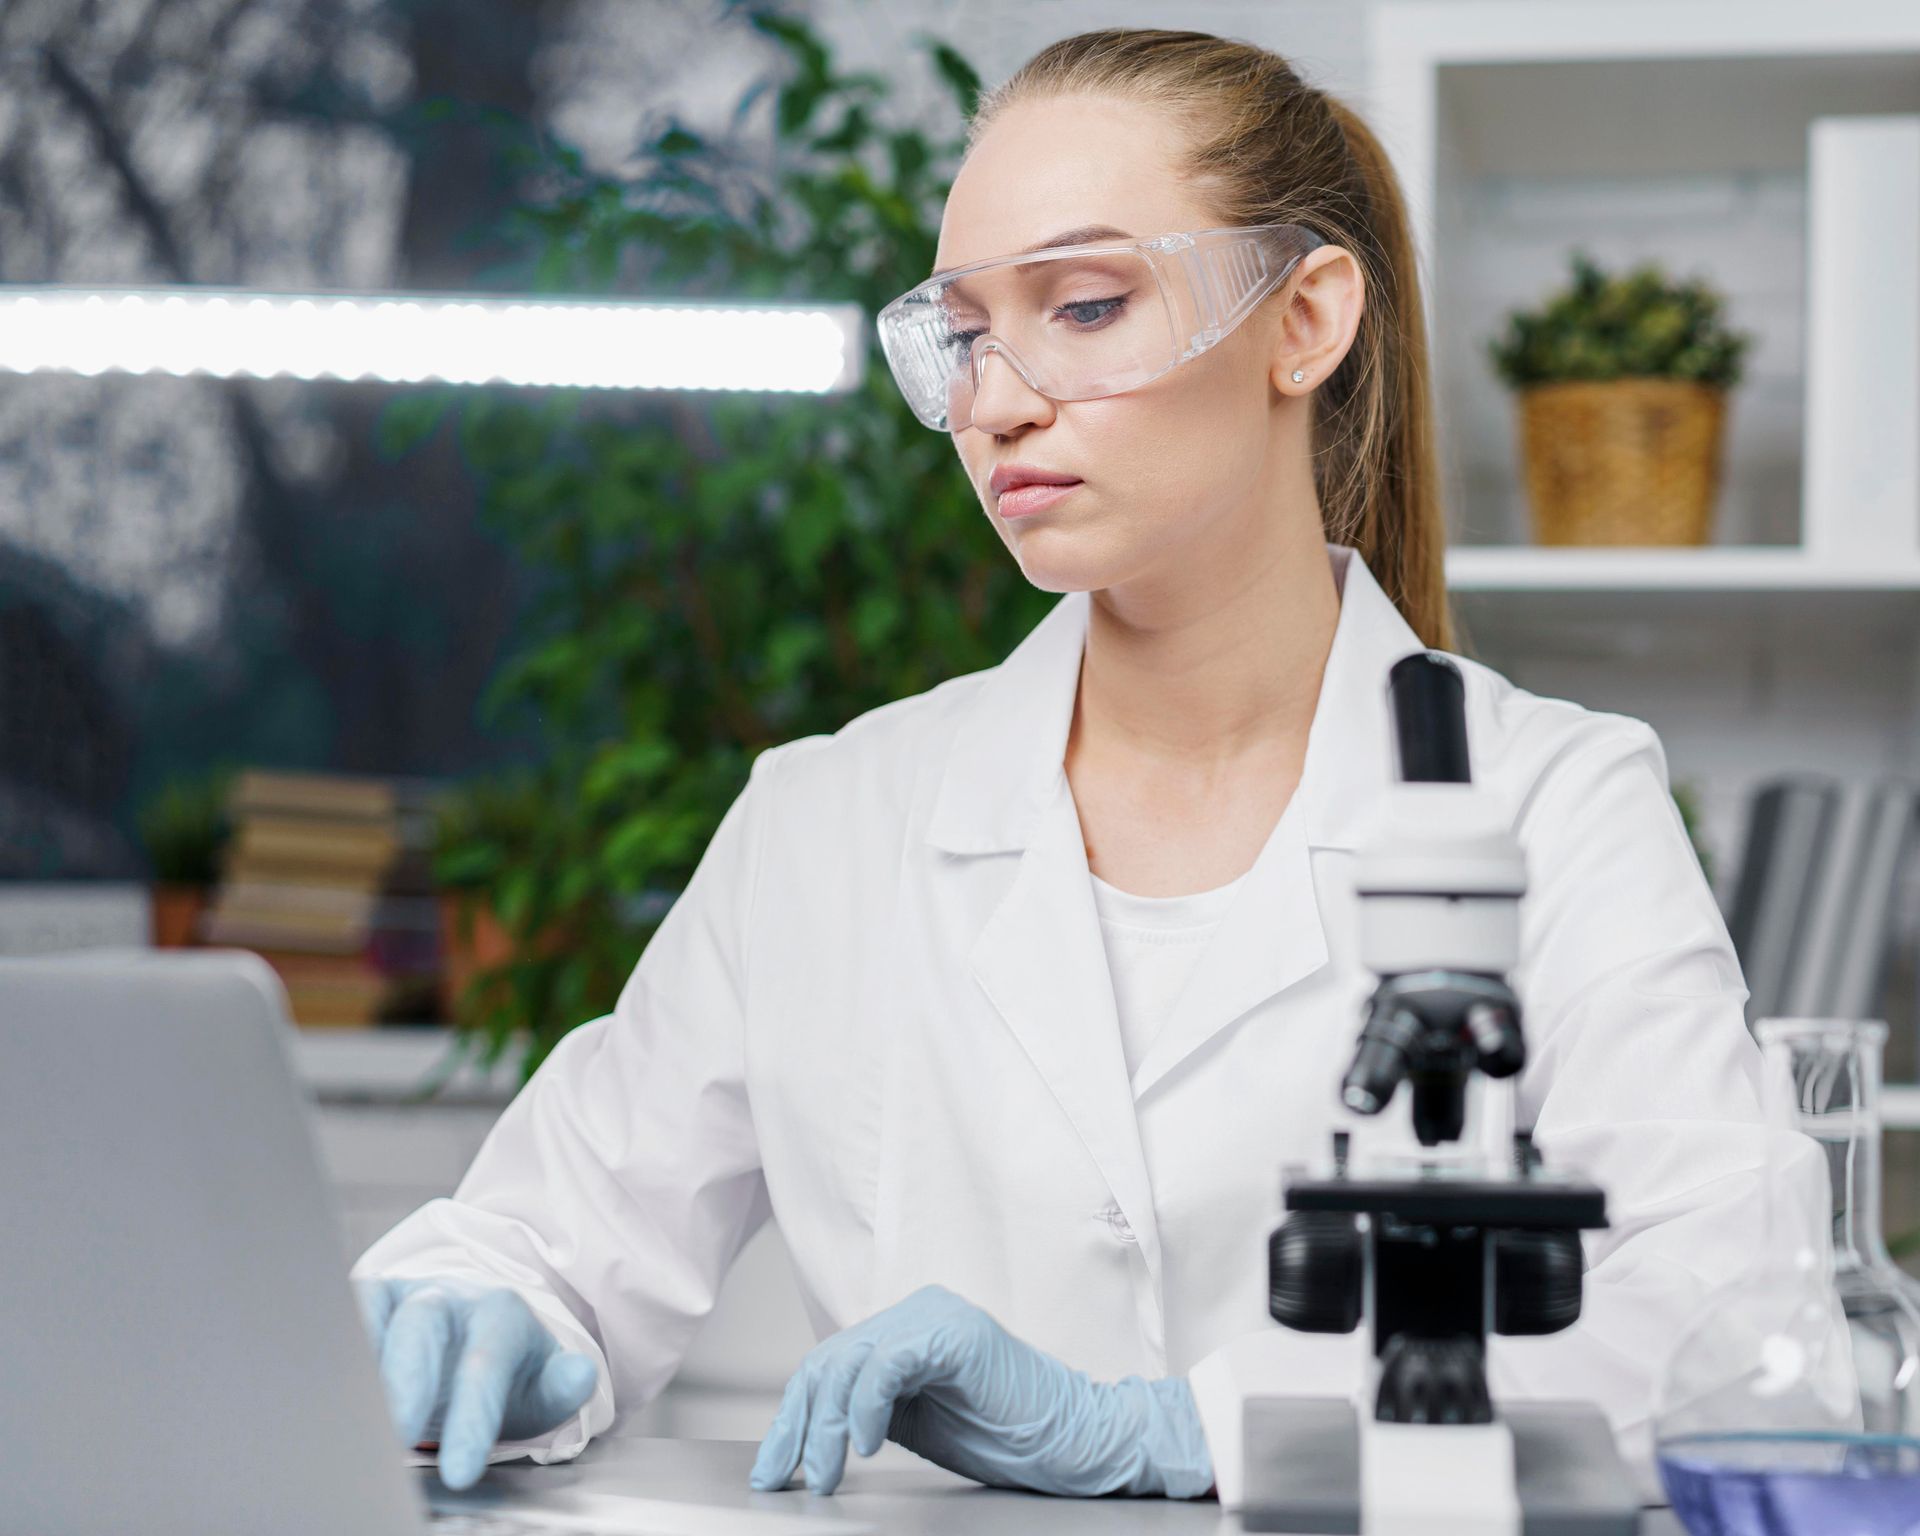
(1763,1422)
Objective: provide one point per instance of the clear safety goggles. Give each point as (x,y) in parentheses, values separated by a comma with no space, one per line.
(1081,321)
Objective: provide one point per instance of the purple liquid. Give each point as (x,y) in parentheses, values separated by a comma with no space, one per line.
(1794,1485)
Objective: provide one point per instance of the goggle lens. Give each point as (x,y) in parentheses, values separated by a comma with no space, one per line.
(1076,329)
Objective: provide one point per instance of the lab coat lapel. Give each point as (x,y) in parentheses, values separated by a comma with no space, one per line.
(1042,962)
(1269,938)
(1272,934)
(1039,957)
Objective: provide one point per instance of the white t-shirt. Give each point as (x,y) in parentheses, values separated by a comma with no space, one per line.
(1153,944)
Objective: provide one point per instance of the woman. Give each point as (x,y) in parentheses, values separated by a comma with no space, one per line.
(1011,999)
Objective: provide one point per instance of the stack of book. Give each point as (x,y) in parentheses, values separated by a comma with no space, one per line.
(328,877)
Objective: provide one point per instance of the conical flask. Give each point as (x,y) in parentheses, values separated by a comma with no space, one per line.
(1836,1077)
(1759,1421)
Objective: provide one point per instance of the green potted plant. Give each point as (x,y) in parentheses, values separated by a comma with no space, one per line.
(720,572)
(481,829)
(1623,382)
(184,830)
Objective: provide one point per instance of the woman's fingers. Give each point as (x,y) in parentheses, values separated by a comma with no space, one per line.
(376,1299)
(413,1360)
(497,1345)
(848,1385)
(885,1376)
(825,1452)
(565,1381)
(780,1449)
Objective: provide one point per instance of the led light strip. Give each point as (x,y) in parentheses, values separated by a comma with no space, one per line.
(416,338)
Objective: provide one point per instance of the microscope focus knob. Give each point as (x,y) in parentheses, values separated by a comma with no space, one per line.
(1315,1271)
(1537,1279)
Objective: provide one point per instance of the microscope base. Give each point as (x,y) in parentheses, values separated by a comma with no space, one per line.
(1303,1472)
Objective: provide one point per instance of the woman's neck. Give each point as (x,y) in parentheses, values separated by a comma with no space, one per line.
(1198,683)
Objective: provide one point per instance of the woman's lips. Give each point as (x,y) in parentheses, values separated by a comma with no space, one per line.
(1024,500)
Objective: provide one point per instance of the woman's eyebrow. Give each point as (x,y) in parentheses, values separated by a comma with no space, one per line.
(1080,236)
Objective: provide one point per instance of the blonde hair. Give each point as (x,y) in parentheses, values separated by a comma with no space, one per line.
(1269,148)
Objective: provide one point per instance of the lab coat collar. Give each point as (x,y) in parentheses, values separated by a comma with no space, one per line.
(1008,756)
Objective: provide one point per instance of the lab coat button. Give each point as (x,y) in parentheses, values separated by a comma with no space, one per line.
(1122,1228)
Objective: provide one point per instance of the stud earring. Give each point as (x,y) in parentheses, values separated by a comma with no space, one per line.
(1298,375)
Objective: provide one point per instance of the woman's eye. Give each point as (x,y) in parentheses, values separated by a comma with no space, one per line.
(1082,312)
(1087,314)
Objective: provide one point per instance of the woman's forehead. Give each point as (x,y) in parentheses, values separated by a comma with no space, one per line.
(1046,169)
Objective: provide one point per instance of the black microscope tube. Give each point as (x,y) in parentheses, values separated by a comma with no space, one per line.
(1429,719)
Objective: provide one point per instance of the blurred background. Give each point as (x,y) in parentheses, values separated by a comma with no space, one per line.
(434,692)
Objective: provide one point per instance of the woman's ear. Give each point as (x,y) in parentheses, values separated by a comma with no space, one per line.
(1320,320)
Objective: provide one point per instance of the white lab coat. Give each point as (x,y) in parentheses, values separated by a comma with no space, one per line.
(880,1012)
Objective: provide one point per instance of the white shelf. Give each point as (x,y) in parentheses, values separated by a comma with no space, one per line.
(382,1065)
(1623,85)
(1525,568)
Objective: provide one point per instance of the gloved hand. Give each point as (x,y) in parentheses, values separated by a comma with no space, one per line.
(468,1364)
(938,1375)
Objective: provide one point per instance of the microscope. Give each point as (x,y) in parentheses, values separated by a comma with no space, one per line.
(1437,1246)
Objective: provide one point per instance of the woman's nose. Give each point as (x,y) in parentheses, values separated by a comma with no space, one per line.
(1003,399)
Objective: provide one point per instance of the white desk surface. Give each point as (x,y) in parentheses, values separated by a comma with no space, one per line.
(894,1492)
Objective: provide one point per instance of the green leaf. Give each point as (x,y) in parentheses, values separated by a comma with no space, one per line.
(959,76)
(812,522)
(794,106)
(876,617)
(632,848)
(679,140)
(410,419)
(1637,324)
(553,272)
(910,154)
(627,768)
(791,648)
(513,897)
(854,129)
(796,38)
(184,828)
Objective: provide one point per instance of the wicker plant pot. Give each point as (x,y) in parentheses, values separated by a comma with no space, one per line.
(1629,461)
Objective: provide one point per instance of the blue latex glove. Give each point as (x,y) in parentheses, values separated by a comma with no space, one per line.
(938,1375)
(468,1364)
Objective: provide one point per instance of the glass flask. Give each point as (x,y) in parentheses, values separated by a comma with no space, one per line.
(1836,1072)
(1785,1408)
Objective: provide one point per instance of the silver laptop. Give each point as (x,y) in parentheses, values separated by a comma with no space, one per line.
(180,1350)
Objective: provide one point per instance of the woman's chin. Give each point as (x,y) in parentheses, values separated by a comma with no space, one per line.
(1065,560)
(1061,575)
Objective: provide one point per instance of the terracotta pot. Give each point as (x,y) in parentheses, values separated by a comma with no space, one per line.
(472,940)
(176,915)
